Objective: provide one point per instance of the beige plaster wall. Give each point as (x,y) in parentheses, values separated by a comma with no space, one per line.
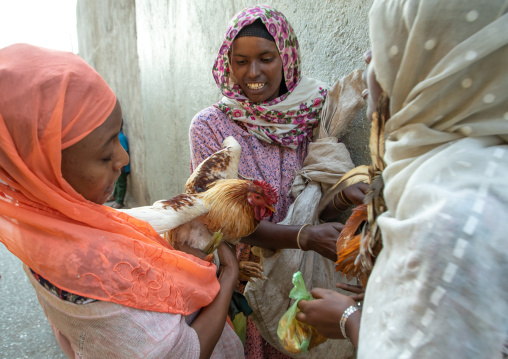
(107,40)
(167,79)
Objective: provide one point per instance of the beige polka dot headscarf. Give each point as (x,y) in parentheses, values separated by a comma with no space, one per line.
(443,65)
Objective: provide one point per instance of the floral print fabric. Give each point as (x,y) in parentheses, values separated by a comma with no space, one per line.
(288,119)
(60,293)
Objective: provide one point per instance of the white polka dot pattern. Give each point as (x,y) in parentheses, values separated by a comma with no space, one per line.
(471,55)
(466,83)
(472,16)
(489,98)
(430,44)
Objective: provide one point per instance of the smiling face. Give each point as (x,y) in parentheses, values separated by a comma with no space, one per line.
(257,67)
(92,165)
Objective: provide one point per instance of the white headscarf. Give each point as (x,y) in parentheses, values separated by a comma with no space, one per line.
(441,63)
(438,289)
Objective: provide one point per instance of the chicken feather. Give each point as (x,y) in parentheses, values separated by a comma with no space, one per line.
(223,164)
(172,213)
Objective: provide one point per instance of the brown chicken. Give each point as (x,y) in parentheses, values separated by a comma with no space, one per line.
(216,206)
(235,208)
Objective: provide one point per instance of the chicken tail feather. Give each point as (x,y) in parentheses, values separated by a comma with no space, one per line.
(348,244)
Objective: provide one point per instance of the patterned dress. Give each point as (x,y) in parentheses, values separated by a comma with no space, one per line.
(272,163)
(60,293)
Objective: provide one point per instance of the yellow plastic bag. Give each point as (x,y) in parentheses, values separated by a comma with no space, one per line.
(295,336)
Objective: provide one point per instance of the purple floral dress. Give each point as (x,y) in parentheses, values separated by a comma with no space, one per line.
(260,160)
(270,162)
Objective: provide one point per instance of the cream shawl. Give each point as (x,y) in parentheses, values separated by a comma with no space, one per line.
(438,288)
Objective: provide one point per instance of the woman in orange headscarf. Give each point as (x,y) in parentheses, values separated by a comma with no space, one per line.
(121,288)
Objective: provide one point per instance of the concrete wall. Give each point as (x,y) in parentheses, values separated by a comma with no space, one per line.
(107,40)
(168,80)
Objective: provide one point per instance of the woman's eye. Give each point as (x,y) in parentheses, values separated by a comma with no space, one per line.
(241,62)
(270,59)
(108,159)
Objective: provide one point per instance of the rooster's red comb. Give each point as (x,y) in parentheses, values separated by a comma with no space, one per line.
(269,191)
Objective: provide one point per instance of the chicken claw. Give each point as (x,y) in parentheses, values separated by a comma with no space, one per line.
(249,270)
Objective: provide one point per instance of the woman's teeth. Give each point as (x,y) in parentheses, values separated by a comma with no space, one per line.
(256,86)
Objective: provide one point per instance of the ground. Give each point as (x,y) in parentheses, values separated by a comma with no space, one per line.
(25,331)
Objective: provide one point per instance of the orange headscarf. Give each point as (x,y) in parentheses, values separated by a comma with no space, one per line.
(50,100)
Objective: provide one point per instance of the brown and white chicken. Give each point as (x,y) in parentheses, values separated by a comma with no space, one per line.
(216,205)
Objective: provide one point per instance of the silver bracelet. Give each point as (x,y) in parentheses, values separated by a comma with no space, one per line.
(350,310)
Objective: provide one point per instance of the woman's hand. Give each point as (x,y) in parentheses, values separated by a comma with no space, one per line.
(356,192)
(209,324)
(321,239)
(351,195)
(325,311)
(228,262)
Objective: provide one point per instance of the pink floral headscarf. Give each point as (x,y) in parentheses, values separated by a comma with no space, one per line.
(288,119)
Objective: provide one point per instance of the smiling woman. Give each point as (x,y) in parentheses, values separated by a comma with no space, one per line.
(271,109)
(256,64)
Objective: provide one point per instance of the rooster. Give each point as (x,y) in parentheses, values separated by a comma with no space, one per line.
(215,206)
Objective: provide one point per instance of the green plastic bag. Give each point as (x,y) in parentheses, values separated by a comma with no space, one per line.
(295,336)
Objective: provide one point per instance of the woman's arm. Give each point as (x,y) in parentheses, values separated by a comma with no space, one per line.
(352,195)
(210,322)
(320,238)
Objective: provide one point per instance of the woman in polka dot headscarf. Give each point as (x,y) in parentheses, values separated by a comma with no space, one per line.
(438,287)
